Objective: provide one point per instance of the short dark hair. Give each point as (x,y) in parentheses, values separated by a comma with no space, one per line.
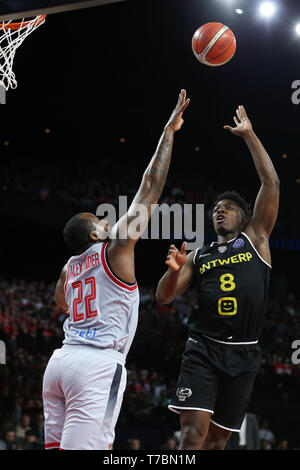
(238,199)
(77,231)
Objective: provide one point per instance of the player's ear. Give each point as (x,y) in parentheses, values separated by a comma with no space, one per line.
(245,221)
(244,218)
(94,236)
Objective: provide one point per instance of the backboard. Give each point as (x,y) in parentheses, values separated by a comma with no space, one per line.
(17,9)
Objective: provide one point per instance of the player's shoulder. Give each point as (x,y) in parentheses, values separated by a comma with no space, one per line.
(63,273)
(260,246)
(201,250)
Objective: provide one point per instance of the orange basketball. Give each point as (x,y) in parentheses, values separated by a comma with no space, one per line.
(214,44)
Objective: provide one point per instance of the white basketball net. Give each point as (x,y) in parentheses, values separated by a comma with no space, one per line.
(10,40)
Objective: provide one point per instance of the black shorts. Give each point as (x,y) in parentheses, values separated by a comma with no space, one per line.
(217,378)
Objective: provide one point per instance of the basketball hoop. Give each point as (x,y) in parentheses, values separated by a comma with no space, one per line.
(12,36)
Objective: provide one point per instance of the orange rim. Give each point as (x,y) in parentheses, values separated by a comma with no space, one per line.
(18,25)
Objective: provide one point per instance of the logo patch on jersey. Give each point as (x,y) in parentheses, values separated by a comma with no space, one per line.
(239,242)
(227,306)
(222,249)
(183,393)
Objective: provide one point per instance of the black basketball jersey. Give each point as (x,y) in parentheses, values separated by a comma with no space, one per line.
(232,283)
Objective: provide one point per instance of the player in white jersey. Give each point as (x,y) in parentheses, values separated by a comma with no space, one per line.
(84,381)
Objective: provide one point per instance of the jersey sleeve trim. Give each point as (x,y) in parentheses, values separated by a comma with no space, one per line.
(194,257)
(248,238)
(67,279)
(111,275)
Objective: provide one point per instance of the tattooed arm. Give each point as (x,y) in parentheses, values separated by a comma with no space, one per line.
(126,232)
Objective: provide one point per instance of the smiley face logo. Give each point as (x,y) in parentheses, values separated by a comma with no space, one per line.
(227,306)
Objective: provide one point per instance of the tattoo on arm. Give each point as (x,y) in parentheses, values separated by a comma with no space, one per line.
(159,165)
(156,175)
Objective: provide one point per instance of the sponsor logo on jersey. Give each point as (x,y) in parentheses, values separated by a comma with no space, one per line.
(222,249)
(183,393)
(89,334)
(194,341)
(238,243)
(239,258)
(227,306)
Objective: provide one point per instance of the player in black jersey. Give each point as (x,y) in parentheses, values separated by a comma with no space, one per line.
(222,355)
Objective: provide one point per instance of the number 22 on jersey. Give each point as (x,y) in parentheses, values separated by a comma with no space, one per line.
(89,313)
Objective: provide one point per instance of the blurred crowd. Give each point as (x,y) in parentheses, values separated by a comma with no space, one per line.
(88,186)
(85,190)
(31,326)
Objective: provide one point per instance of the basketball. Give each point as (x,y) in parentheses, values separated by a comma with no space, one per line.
(214,44)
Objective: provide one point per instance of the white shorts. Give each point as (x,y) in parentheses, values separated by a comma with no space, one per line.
(83,389)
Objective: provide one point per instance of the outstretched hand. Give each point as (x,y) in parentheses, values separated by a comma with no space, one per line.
(176,259)
(175,122)
(243,124)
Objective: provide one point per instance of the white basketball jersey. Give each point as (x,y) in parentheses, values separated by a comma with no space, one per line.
(103,309)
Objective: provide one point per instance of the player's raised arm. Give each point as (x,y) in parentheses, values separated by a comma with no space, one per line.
(131,226)
(266,205)
(178,277)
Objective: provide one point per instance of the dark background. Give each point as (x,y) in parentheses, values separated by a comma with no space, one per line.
(95,75)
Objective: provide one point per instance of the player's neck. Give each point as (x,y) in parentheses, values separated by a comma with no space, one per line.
(87,246)
(227,238)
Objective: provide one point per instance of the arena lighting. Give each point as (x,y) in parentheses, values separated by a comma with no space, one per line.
(239,11)
(228,3)
(267,9)
(297,29)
